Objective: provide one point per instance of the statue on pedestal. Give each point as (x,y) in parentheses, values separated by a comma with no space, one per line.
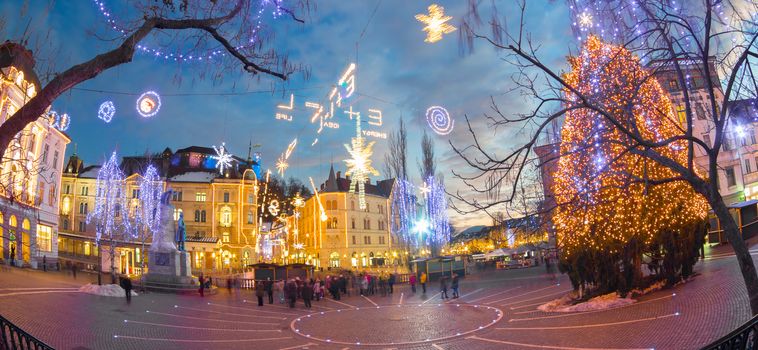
(181,233)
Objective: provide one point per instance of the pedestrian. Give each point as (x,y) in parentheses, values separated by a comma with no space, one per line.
(202,285)
(412,282)
(422,280)
(317,290)
(229,285)
(443,287)
(73,270)
(364,284)
(292,292)
(307,294)
(126,283)
(391,282)
(44,263)
(454,286)
(269,287)
(334,290)
(259,290)
(383,285)
(343,284)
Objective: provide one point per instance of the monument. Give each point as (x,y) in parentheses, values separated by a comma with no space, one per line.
(168,266)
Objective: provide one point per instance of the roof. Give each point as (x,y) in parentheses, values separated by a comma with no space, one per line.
(16,55)
(194,176)
(90,172)
(337,183)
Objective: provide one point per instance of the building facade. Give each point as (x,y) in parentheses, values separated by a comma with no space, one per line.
(219,210)
(30,171)
(349,237)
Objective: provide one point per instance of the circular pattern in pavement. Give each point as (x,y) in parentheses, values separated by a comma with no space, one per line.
(392,325)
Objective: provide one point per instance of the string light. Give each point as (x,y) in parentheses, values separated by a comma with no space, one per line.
(322,215)
(589,186)
(148,213)
(359,164)
(224,159)
(148,104)
(435,23)
(58,121)
(273,207)
(106,111)
(110,200)
(439,120)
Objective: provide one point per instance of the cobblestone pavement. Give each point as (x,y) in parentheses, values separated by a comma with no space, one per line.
(497,310)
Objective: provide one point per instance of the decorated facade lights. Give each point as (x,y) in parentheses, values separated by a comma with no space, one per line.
(298,203)
(106,111)
(435,23)
(273,207)
(148,104)
(359,164)
(282,163)
(439,120)
(224,159)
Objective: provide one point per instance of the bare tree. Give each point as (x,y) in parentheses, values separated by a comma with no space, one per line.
(427,168)
(396,159)
(203,25)
(679,41)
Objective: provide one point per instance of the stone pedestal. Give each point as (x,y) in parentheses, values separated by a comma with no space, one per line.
(169,271)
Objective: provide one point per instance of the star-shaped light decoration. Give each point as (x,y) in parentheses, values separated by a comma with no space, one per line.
(435,23)
(359,164)
(585,20)
(425,189)
(281,166)
(224,158)
(298,201)
(298,246)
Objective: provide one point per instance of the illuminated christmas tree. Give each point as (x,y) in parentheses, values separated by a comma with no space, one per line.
(614,204)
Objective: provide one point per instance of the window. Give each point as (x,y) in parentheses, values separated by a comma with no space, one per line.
(352,223)
(728,143)
(381,239)
(225,237)
(44,238)
(226,216)
(334,205)
(51,196)
(176,196)
(707,140)
(82,226)
(65,224)
(730,179)
(673,84)
(352,205)
(747,166)
(250,217)
(55,160)
(135,193)
(366,239)
(200,197)
(67,189)
(681,112)
(45,151)
(85,191)
(700,111)
(82,208)
(202,216)
(354,239)
(250,198)
(197,215)
(117,210)
(226,197)
(328,205)
(177,211)
(334,222)
(40,192)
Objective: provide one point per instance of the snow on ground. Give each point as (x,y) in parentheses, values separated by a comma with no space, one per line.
(107,290)
(603,302)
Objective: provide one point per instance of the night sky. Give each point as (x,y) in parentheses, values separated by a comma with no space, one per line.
(396,72)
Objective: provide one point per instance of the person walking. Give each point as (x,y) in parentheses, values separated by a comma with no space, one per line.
(383,285)
(391,282)
(268,285)
(229,285)
(202,285)
(364,284)
(292,293)
(73,270)
(443,287)
(423,282)
(259,290)
(412,282)
(126,283)
(454,286)
(44,263)
(317,290)
(307,294)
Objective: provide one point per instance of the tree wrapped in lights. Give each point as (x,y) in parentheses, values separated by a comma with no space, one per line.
(404,210)
(110,201)
(436,209)
(147,209)
(614,204)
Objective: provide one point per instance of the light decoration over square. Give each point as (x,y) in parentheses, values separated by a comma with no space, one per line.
(58,121)
(224,159)
(322,216)
(148,104)
(282,163)
(359,164)
(287,116)
(439,120)
(106,111)
(435,23)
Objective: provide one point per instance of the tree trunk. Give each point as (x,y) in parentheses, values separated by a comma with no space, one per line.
(747,267)
(99,264)
(113,262)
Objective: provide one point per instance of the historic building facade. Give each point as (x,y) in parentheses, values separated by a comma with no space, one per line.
(349,237)
(219,210)
(30,170)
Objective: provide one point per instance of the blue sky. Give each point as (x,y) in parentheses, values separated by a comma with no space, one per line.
(396,72)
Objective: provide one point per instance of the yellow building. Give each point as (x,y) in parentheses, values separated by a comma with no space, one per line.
(30,170)
(350,237)
(220,211)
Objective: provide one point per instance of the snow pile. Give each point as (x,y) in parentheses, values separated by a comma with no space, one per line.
(603,302)
(106,290)
(652,288)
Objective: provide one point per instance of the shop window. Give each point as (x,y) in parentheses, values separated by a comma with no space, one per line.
(44,238)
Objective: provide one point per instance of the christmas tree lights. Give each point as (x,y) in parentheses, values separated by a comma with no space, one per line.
(110,201)
(148,213)
(605,196)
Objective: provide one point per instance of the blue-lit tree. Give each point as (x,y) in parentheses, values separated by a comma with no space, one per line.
(146,209)
(110,199)
(436,212)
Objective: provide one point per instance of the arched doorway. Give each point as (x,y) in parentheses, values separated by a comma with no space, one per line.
(12,239)
(26,241)
(334,259)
